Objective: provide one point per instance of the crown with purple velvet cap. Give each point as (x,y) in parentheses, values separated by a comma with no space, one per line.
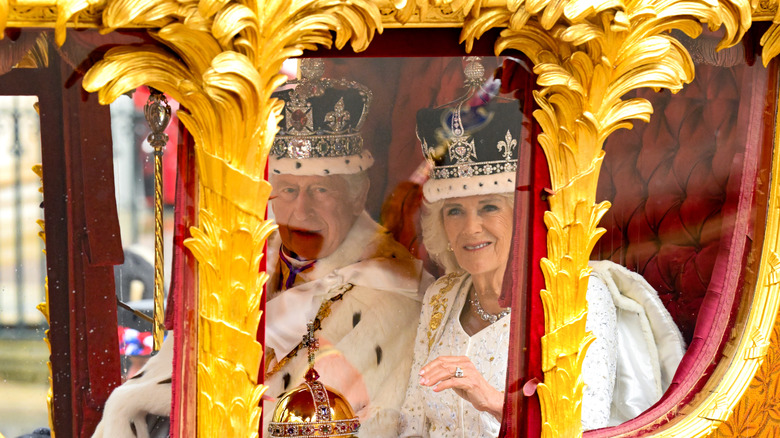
(472,151)
(320,130)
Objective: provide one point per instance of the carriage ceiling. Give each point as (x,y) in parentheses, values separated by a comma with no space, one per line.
(220,59)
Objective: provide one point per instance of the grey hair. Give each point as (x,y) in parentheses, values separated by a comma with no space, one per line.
(434,236)
(357,184)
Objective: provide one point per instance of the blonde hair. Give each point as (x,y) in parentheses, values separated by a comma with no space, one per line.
(434,236)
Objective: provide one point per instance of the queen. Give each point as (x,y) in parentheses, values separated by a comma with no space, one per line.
(459,368)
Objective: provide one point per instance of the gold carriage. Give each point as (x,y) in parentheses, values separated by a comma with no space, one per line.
(595,188)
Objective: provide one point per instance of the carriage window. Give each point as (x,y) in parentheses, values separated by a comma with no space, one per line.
(393,182)
(681,188)
(404,190)
(687,191)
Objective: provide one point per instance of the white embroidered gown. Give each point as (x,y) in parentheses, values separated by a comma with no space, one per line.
(446,415)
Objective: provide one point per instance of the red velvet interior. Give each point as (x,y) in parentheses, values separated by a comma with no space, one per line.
(667,182)
(681,189)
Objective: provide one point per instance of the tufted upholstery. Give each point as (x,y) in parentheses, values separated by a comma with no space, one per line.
(684,190)
(668,182)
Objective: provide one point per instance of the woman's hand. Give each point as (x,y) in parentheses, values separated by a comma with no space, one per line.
(439,374)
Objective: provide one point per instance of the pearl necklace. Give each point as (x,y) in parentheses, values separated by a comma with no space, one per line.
(489,317)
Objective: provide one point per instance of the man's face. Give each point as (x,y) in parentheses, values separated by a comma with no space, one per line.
(314,213)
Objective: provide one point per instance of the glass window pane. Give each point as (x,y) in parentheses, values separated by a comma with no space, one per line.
(23,354)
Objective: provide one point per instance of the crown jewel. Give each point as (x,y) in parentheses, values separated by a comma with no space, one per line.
(312,409)
(456,152)
(322,116)
(471,144)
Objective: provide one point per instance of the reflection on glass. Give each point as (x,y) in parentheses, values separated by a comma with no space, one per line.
(470,143)
(387,175)
(331,264)
(684,189)
(23,353)
(638,345)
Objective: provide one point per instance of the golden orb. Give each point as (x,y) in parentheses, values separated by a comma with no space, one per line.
(313,410)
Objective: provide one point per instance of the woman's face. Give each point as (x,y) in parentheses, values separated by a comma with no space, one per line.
(479,231)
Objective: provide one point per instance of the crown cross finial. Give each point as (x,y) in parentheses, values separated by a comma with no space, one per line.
(312,68)
(474,71)
(310,342)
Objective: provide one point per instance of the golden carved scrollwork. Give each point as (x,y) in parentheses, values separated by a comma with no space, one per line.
(4,9)
(765,10)
(770,41)
(221,62)
(758,412)
(51,13)
(421,13)
(83,14)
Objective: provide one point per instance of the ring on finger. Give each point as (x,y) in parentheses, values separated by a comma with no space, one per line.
(458,372)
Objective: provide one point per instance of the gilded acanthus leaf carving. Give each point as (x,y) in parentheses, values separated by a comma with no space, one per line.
(220,59)
(221,62)
(4,9)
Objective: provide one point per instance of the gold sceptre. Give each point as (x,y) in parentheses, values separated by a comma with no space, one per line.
(158,115)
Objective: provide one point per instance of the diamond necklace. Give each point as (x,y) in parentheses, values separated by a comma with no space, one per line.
(489,317)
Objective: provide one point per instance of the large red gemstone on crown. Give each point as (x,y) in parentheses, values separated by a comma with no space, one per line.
(299,119)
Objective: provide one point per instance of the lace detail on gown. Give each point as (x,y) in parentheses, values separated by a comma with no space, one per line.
(427,414)
(601,356)
(445,414)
